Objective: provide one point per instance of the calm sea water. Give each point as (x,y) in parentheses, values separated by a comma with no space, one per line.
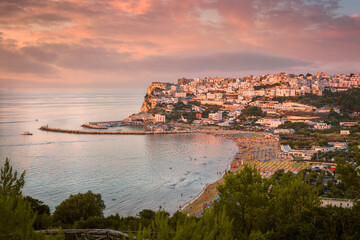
(130,172)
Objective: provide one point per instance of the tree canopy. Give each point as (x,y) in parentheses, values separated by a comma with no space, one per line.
(17,215)
(260,206)
(286,206)
(10,183)
(349,175)
(253,111)
(244,196)
(79,206)
(16,219)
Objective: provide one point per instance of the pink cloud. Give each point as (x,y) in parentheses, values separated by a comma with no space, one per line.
(132,6)
(103,38)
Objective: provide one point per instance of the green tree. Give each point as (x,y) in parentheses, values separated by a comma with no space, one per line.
(210,226)
(79,206)
(147,214)
(244,196)
(349,177)
(10,184)
(278,174)
(289,199)
(294,125)
(59,236)
(43,217)
(16,216)
(37,206)
(177,218)
(16,219)
(253,111)
(266,86)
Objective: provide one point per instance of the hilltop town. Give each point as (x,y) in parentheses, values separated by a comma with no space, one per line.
(235,91)
(198,99)
(294,107)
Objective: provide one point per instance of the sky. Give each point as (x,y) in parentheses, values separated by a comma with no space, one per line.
(130,43)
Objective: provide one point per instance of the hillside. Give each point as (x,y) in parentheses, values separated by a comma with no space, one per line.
(348,101)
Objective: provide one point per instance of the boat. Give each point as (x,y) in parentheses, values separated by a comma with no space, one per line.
(26,133)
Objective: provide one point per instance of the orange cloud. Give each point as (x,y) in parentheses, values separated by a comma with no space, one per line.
(132,6)
(76,41)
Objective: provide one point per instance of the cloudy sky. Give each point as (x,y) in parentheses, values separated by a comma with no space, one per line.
(129,43)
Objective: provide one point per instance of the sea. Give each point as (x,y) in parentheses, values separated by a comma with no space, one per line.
(131,172)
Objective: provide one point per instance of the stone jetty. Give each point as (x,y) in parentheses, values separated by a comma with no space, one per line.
(88,125)
(45,128)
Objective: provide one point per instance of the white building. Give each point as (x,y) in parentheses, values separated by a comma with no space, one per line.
(197,108)
(160,118)
(207,121)
(287,152)
(339,145)
(322,126)
(269,122)
(322,149)
(211,102)
(348,124)
(344,132)
(291,106)
(345,203)
(216,116)
(214,95)
(277,131)
(235,113)
(180,94)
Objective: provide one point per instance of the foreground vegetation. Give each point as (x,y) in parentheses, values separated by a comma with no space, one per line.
(286,206)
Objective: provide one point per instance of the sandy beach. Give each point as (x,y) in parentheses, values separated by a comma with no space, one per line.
(253,148)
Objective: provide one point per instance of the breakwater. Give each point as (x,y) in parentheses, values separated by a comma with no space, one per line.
(45,128)
(88,125)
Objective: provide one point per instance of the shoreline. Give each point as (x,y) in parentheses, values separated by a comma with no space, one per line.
(209,193)
(183,208)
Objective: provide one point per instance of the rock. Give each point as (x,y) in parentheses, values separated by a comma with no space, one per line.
(149,99)
(149,103)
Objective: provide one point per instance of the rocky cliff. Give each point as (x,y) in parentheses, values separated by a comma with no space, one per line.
(149,102)
(149,99)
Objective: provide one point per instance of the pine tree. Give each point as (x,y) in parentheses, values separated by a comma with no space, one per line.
(10,184)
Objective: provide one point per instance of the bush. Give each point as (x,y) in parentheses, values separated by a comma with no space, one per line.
(79,206)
